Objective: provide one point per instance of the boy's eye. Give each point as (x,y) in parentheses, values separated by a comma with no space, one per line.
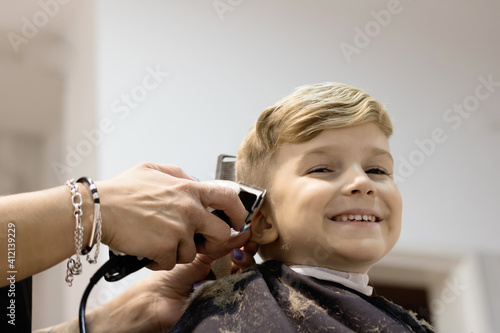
(377,171)
(320,169)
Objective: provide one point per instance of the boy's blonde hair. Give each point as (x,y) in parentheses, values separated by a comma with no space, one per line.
(300,117)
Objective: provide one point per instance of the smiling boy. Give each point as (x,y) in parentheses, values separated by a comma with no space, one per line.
(335,190)
(331,212)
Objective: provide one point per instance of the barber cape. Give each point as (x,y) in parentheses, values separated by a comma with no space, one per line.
(272,297)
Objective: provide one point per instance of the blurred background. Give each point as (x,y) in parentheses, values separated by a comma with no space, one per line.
(95,87)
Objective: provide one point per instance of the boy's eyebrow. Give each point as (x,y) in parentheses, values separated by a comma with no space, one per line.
(318,151)
(323,150)
(380,151)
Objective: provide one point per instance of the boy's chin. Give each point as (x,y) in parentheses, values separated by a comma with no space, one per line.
(358,258)
(357,265)
(354,260)
(360,261)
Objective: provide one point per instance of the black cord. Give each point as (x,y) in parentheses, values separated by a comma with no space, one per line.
(93,281)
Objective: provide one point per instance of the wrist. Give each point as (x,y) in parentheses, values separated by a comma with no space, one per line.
(105,193)
(86,234)
(88,212)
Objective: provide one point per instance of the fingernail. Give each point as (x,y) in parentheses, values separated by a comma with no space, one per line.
(245,227)
(196,285)
(238,255)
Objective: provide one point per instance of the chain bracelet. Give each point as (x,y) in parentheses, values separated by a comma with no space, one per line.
(74,266)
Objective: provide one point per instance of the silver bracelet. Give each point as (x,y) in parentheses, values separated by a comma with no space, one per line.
(74,266)
(95,235)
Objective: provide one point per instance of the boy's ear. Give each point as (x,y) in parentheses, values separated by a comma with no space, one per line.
(264,229)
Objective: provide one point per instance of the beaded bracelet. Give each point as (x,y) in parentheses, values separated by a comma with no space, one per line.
(95,235)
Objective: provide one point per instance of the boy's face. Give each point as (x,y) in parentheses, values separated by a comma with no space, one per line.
(334,200)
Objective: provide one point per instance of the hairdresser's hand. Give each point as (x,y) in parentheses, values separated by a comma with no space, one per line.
(154,211)
(156,303)
(153,304)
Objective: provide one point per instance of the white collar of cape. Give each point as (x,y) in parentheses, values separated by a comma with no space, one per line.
(356,281)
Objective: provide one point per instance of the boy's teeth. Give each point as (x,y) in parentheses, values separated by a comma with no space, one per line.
(357,217)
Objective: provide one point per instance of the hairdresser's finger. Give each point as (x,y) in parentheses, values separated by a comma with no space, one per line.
(241,260)
(187,274)
(186,251)
(236,241)
(215,233)
(179,281)
(159,264)
(165,255)
(172,170)
(251,247)
(243,257)
(225,199)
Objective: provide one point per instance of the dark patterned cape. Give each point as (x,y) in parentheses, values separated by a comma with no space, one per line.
(273,298)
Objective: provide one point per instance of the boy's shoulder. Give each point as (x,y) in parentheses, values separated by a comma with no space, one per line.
(271,297)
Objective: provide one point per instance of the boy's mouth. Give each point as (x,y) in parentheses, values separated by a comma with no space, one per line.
(355,218)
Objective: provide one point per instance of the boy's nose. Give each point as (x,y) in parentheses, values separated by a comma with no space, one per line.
(358,182)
